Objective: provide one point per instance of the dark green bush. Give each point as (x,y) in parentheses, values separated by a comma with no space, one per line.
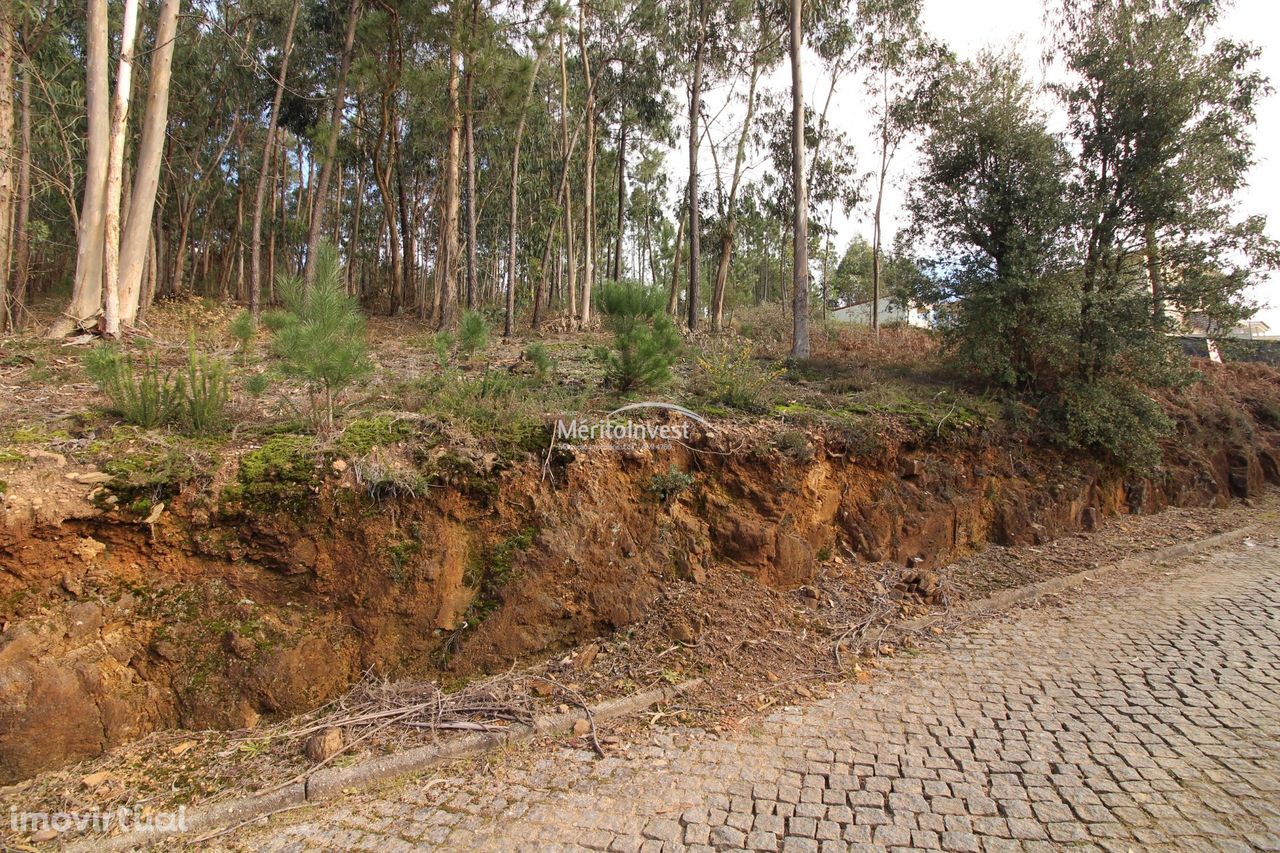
(646,342)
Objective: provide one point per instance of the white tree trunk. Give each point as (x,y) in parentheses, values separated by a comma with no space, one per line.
(115,174)
(86,295)
(137,229)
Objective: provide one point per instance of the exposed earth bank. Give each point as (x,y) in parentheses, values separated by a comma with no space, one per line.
(269,584)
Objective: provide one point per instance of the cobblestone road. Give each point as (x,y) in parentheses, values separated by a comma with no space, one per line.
(1139,718)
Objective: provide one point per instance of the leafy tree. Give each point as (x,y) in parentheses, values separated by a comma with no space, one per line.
(1162,119)
(990,201)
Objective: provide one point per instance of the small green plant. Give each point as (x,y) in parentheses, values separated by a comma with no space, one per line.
(540,358)
(138,391)
(473,334)
(667,486)
(204,393)
(731,376)
(321,340)
(243,330)
(646,342)
(256,384)
(795,444)
(442,343)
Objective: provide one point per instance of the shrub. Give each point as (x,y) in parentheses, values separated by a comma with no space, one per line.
(668,485)
(1112,416)
(204,393)
(320,339)
(540,358)
(140,392)
(473,334)
(243,329)
(143,394)
(730,375)
(646,342)
(625,303)
(441,343)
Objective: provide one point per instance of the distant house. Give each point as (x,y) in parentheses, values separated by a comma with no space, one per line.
(891,313)
(1197,324)
(1251,329)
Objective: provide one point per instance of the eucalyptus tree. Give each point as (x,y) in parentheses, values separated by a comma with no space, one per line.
(901,64)
(800,198)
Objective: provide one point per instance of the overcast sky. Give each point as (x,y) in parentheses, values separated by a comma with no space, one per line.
(968,27)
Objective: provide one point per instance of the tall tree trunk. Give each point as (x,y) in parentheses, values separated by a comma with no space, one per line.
(589,181)
(22,252)
(1154,275)
(447,254)
(7,176)
(137,229)
(86,295)
(731,204)
(673,298)
(469,141)
(255,259)
(800,225)
(695,214)
(622,201)
(876,232)
(316,225)
(508,325)
(407,254)
(115,174)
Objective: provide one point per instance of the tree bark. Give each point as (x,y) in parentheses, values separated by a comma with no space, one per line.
(731,205)
(146,181)
(316,225)
(508,326)
(589,181)
(22,251)
(695,214)
(800,225)
(7,176)
(622,201)
(673,298)
(469,142)
(86,295)
(115,174)
(447,254)
(255,258)
(1154,275)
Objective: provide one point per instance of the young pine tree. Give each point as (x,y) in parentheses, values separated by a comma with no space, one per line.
(319,337)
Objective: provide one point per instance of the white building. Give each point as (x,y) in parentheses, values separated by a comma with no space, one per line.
(891,313)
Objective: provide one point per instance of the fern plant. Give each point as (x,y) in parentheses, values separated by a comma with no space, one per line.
(319,337)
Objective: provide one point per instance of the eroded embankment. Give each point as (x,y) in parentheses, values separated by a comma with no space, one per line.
(236,602)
